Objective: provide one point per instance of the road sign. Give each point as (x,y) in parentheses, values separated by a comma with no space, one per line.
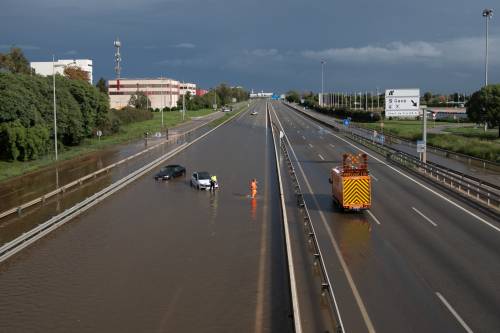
(420,146)
(346,122)
(402,102)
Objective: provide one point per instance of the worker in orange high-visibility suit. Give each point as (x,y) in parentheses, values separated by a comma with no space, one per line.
(253,188)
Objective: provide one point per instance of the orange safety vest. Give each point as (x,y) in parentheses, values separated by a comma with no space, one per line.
(253,186)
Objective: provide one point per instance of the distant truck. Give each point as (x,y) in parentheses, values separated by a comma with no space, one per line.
(351,183)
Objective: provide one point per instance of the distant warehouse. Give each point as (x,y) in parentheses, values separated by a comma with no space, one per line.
(162,92)
(447,113)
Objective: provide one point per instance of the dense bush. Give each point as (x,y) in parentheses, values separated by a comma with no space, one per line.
(23,143)
(131,115)
(26,114)
(355,115)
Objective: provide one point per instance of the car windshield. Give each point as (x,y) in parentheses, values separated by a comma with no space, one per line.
(203,175)
(167,169)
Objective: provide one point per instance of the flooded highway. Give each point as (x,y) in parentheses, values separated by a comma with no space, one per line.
(27,187)
(163,256)
(38,183)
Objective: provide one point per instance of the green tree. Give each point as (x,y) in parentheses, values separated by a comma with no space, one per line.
(139,100)
(76,73)
(292,96)
(102,86)
(15,62)
(484,106)
(427,97)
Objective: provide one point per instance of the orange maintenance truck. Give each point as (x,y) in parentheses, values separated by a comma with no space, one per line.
(351,183)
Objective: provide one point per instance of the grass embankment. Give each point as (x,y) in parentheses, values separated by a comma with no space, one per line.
(127,133)
(465,140)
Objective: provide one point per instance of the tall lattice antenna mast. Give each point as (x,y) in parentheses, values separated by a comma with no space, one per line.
(118,58)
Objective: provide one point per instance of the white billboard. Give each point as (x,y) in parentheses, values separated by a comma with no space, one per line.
(402,102)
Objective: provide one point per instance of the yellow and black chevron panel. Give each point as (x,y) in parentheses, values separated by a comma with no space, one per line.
(356,191)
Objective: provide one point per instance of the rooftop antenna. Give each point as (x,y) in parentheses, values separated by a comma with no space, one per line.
(118,59)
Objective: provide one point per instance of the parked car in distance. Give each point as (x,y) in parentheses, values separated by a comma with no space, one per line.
(227,109)
(201,180)
(170,171)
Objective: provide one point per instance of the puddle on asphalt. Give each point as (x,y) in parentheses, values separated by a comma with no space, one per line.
(353,233)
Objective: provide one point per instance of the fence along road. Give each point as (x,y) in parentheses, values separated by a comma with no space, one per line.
(401,264)
(162,256)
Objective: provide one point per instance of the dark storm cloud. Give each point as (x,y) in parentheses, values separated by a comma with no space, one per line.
(269,44)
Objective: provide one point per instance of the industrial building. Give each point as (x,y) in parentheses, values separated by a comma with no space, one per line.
(162,92)
(46,68)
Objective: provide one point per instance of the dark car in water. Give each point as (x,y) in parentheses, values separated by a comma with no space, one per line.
(170,171)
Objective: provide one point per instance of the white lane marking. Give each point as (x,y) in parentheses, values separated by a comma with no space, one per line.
(373,217)
(373,176)
(418,183)
(425,217)
(322,158)
(454,313)
(350,280)
(293,284)
(333,146)
(303,137)
(311,146)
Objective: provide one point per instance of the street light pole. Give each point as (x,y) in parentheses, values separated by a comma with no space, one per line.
(55,111)
(322,82)
(54,97)
(163,93)
(487,14)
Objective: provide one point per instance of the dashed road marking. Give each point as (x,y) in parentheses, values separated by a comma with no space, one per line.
(425,217)
(454,313)
(373,217)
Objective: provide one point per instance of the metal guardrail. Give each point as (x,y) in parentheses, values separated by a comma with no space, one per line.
(468,186)
(9,249)
(93,175)
(326,285)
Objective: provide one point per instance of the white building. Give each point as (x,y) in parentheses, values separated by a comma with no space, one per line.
(45,67)
(188,87)
(162,92)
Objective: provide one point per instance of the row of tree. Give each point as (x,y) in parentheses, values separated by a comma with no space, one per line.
(221,95)
(26,113)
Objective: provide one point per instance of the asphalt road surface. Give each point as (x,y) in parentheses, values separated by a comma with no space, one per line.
(417,261)
(162,256)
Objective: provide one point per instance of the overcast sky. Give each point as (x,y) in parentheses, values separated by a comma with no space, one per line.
(267,44)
